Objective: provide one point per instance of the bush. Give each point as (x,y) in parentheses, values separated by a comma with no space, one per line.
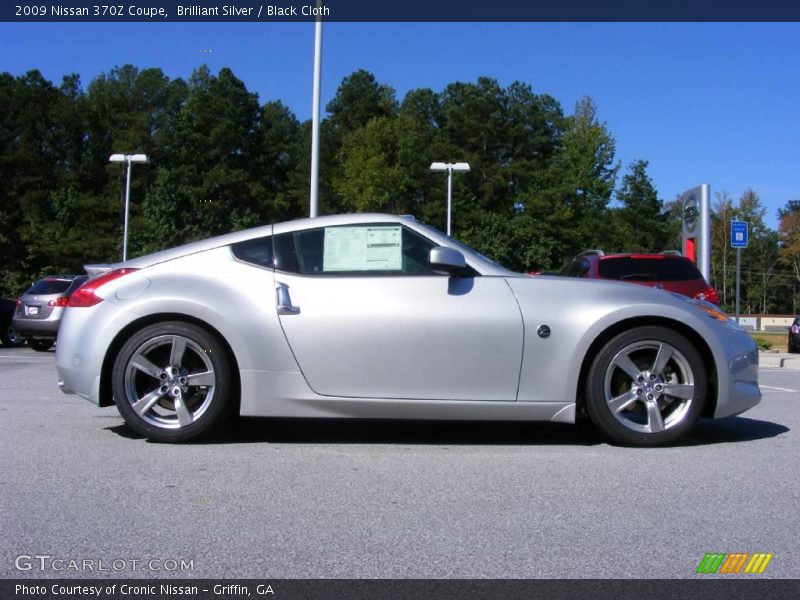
(763,344)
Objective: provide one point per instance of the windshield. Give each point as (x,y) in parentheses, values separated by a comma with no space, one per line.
(468,251)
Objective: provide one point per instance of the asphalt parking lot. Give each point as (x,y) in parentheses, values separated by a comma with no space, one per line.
(334,499)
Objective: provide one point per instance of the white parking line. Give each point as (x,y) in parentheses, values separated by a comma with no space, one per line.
(769,387)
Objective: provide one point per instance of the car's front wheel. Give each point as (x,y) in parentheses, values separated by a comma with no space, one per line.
(646,387)
(41,345)
(172,382)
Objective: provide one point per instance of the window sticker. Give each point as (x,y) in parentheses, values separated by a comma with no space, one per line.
(377,248)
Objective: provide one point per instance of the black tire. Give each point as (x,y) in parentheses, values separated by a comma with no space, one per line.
(41,345)
(10,337)
(628,389)
(792,348)
(173,395)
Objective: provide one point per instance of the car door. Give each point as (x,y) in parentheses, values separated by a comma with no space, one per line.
(365,316)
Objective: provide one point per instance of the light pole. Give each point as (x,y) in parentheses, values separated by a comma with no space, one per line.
(314,192)
(128,159)
(449,167)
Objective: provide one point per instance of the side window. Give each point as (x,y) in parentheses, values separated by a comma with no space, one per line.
(577,268)
(257,251)
(569,269)
(369,249)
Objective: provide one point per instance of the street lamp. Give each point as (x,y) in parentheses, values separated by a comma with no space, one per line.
(449,167)
(314,192)
(128,159)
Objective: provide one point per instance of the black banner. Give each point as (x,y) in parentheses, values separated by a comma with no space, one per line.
(399,10)
(401,589)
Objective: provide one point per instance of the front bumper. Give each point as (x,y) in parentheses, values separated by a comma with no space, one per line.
(737,373)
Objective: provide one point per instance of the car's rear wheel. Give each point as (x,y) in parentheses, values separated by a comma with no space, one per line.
(41,345)
(11,337)
(646,387)
(172,382)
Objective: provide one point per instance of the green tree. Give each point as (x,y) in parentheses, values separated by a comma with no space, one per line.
(789,232)
(642,212)
(358,99)
(789,237)
(375,167)
(211,151)
(573,200)
(750,209)
(517,242)
(721,253)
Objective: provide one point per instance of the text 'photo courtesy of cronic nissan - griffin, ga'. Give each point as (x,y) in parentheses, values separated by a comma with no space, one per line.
(382,317)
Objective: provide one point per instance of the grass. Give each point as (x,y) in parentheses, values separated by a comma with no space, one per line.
(770,340)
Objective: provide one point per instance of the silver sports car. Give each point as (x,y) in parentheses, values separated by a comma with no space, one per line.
(380,316)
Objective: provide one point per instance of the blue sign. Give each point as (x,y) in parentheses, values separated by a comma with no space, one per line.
(739,234)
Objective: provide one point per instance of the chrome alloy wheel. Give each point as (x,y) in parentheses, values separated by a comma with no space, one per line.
(169,381)
(649,386)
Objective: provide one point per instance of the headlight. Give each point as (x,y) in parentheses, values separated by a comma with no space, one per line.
(712,310)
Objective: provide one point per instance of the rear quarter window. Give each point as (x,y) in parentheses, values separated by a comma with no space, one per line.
(257,251)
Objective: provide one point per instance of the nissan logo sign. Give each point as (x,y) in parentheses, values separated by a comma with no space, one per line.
(690,213)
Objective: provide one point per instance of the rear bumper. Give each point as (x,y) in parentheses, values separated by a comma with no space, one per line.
(84,339)
(39,328)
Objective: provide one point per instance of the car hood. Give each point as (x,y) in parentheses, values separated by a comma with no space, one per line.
(607,294)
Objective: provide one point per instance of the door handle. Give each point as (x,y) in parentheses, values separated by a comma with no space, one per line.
(284,301)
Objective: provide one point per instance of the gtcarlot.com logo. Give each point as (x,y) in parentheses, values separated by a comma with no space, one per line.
(720,563)
(46,562)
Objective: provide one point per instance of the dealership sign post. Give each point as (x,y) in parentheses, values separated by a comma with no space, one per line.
(697,228)
(739,239)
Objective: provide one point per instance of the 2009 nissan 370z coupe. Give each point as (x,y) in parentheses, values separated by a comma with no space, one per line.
(379,316)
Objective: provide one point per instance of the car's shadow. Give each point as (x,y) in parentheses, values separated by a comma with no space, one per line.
(363,431)
(731,429)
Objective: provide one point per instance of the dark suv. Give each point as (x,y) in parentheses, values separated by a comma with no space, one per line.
(669,271)
(39,309)
(9,336)
(794,336)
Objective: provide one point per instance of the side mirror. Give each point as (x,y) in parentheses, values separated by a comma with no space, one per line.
(449,261)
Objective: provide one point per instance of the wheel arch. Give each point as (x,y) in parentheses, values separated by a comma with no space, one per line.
(106,393)
(695,338)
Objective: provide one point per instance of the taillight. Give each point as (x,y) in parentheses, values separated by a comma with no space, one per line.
(85,295)
(709,294)
(59,302)
(795,328)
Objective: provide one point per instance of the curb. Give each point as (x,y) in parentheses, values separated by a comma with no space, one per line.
(779,361)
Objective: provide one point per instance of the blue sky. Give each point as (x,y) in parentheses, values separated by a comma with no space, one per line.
(711,103)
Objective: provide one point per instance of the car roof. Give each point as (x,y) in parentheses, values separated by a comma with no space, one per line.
(600,255)
(642,255)
(60,277)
